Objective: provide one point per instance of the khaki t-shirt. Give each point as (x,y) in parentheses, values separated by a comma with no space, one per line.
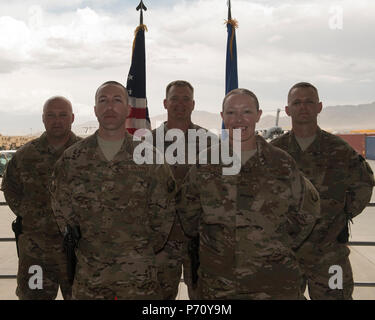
(110,148)
(304,143)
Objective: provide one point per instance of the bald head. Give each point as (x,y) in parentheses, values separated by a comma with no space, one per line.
(58,118)
(54,99)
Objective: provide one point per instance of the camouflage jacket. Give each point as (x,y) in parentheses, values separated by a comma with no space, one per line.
(179,170)
(342,177)
(249,225)
(25,185)
(125,212)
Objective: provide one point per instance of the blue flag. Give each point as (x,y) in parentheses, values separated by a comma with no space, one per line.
(231,75)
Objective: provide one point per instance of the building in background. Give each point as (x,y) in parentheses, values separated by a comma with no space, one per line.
(363,143)
(14,142)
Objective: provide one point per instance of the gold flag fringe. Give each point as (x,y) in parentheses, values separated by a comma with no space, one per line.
(140,27)
(234,24)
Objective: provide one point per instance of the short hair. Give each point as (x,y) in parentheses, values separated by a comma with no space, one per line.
(303,85)
(54,98)
(243,92)
(178,83)
(113,83)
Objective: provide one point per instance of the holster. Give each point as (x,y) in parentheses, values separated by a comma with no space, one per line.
(71,239)
(17,229)
(193,251)
(343,236)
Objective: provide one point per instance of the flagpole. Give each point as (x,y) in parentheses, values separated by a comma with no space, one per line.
(229,11)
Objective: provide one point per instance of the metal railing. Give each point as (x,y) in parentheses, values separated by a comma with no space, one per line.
(3,276)
(350,243)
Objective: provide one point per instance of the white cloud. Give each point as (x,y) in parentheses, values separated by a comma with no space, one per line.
(14,35)
(70,47)
(275,38)
(79,39)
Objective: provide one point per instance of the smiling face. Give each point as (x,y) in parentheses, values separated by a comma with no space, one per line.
(179,104)
(303,106)
(111,108)
(240,112)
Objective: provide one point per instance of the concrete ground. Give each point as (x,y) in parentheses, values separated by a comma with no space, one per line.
(361,257)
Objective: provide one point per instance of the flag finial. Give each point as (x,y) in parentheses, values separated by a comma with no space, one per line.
(141,7)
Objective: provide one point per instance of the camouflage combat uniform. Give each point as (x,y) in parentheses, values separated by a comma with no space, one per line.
(175,254)
(250,225)
(25,186)
(344,181)
(124,213)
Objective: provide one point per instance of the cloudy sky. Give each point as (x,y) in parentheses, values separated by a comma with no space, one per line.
(54,47)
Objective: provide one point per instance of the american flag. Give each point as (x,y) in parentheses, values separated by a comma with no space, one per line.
(136,85)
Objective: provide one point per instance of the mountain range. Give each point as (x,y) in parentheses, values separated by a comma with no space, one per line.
(341,118)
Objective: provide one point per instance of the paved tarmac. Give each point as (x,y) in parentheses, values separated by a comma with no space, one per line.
(362,257)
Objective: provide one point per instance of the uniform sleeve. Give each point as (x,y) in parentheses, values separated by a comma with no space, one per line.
(61,197)
(360,185)
(12,187)
(307,214)
(189,204)
(161,204)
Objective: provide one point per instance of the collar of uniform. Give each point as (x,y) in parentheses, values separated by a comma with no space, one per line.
(293,144)
(72,139)
(260,158)
(44,142)
(315,146)
(128,145)
(126,149)
(262,149)
(47,147)
(191,126)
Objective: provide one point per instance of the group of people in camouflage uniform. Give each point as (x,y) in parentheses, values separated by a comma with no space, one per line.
(268,232)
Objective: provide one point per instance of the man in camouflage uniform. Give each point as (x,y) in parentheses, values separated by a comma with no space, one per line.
(123,210)
(25,187)
(251,223)
(344,181)
(179,103)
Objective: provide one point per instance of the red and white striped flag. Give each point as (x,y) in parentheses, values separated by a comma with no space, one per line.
(136,85)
